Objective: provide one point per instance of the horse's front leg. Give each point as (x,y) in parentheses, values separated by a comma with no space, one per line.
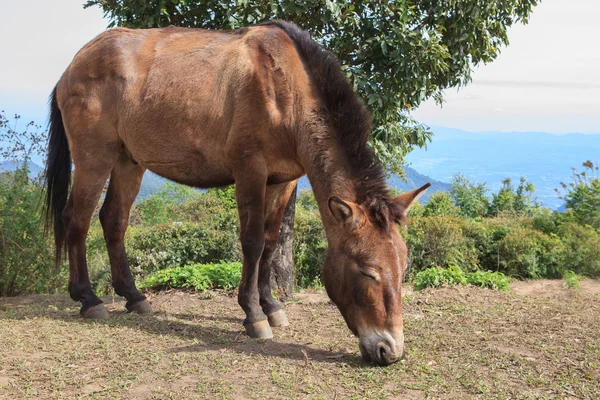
(250,185)
(276,201)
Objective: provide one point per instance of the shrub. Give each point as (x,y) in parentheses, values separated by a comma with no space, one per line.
(470,197)
(200,277)
(179,244)
(582,197)
(545,221)
(26,255)
(160,207)
(581,251)
(526,253)
(440,204)
(438,242)
(97,260)
(571,280)
(309,247)
(489,279)
(434,277)
(517,202)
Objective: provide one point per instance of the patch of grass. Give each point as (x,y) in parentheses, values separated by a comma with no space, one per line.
(200,277)
(436,276)
(571,280)
(489,279)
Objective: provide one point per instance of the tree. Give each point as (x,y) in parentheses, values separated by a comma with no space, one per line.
(396,53)
(440,204)
(519,201)
(470,198)
(582,197)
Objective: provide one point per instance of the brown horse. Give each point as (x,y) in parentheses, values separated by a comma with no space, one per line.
(258,107)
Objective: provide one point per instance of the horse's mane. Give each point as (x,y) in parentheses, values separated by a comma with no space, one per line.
(351,122)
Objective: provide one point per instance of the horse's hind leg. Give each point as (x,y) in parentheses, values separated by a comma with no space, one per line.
(88,182)
(276,200)
(124,185)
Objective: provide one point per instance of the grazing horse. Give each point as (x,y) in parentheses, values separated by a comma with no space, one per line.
(259,107)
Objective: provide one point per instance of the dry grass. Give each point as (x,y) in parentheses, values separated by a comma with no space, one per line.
(461,343)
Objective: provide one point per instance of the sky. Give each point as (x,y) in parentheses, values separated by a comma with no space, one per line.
(547,80)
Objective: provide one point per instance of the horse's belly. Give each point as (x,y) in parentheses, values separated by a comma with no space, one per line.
(192,173)
(191,157)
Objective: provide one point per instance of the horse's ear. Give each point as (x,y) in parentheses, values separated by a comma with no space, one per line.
(346,213)
(408,199)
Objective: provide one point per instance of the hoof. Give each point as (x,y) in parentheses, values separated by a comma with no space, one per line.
(278,318)
(259,330)
(96,312)
(141,307)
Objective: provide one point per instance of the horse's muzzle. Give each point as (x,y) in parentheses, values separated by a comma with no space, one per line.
(382,348)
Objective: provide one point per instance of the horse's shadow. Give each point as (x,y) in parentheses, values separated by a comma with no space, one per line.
(212,332)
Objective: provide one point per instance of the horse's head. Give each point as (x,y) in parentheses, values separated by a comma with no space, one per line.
(363,275)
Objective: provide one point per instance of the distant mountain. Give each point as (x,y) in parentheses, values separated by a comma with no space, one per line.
(9,166)
(413,180)
(542,158)
(152,183)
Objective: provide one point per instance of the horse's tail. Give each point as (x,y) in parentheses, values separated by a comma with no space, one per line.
(58,176)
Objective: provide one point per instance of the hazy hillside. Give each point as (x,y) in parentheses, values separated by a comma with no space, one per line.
(152,182)
(8,166)
(543,158)
(413,181)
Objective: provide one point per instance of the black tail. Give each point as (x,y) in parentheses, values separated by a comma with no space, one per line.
(58,176)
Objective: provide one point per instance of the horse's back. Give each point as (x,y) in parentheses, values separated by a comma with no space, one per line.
(184,100)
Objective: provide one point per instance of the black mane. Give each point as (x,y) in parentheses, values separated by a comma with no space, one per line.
(351,121)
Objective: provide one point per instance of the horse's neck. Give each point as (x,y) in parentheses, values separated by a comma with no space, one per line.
(329,174)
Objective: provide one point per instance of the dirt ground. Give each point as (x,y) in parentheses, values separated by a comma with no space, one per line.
(541,340)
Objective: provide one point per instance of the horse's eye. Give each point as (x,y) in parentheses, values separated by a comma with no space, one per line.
(368,275)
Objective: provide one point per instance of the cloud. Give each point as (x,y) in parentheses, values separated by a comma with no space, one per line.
(537,84)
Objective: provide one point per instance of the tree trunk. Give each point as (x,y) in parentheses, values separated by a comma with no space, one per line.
(282,261)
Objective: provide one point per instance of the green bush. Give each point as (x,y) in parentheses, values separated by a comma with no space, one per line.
(160,207)
(582,197)
(470,197)
(571,280)
(440,204)
(200,277)
(201,228)
(434,277)
(179,244)
(97,260)
(26,255)
(489,279)
(581,251)
(309,246)
(438,242)
(527,253)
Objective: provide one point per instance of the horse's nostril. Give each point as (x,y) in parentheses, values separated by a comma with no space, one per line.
(382,352)
(385,353)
